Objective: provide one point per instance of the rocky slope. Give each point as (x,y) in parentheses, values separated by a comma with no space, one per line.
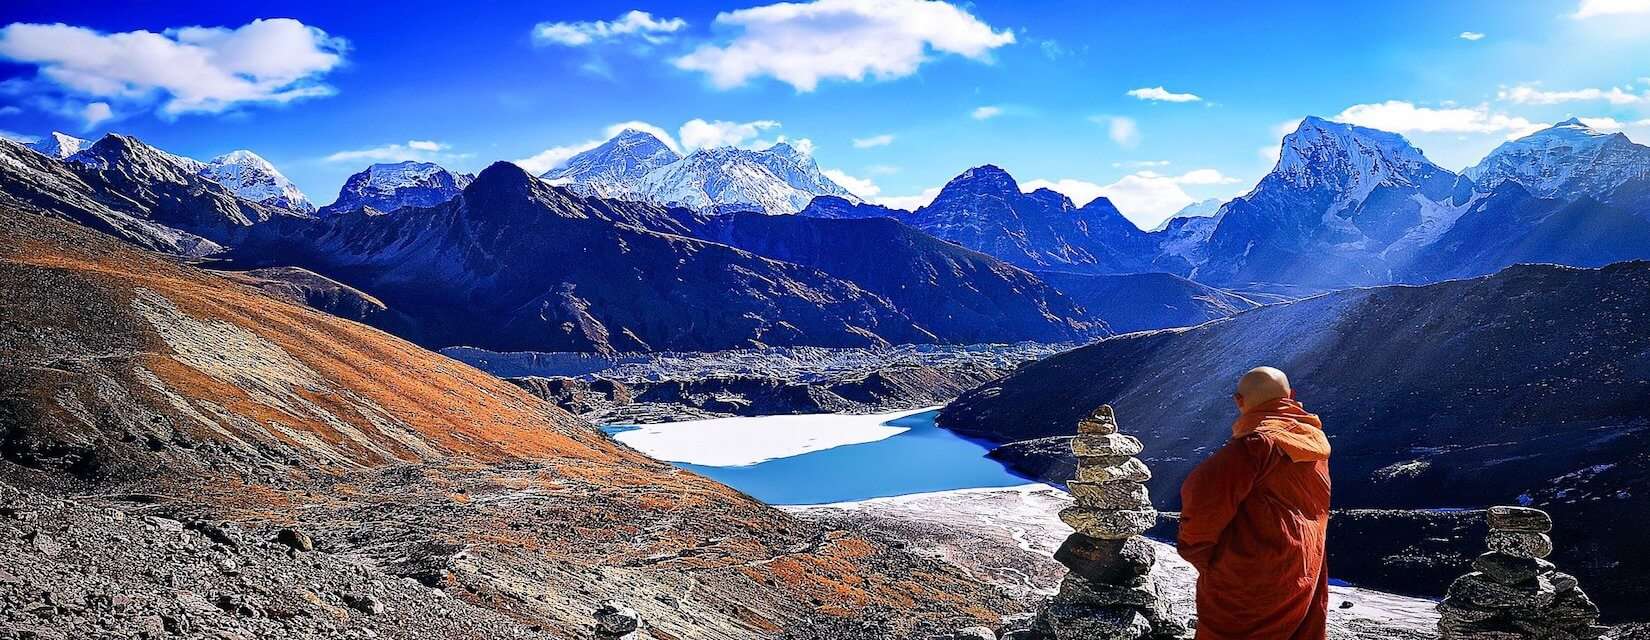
(1542,376)
(1140,301)
(390,186)
(967,296)
(184,401)
(132,191)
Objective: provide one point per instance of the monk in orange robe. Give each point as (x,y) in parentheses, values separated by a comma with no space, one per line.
(1253,518)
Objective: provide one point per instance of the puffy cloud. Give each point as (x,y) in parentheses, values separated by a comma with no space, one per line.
(910,202)
(96,113)
(1525,94)
(986,112)
(1145,198)
(1159,94)
(1612,124)
(802,43)
(638,24)
(1471,36)
(862,187)
(697,133)
(421,150)
(1123,131)
(1140,164)
(1594,8)
(188,69)
(1404,117)
(881,140)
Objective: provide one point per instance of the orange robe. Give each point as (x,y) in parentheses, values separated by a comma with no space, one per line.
(1253,518)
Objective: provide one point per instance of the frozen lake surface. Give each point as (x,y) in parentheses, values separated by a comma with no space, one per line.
(823,458)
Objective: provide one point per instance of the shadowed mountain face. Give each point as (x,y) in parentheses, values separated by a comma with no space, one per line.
(1457,394)
(958,294)
(515,264)
(224,413)
(1140,301)
(132,191)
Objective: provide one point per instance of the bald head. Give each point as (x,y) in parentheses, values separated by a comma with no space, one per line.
(1261,384)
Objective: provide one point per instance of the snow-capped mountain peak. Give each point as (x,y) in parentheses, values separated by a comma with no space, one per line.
(1566,160)
(137,158)
(611,169)
(635,165)
(59,145)
(253,178)
(391,186)
(1349,159)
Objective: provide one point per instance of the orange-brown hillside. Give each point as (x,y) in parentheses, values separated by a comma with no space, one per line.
(130,380)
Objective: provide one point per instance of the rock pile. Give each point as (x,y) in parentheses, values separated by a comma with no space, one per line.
(1512,592)
(1109,593)
(615,621)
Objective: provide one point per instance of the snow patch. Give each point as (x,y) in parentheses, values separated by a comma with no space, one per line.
(737,442)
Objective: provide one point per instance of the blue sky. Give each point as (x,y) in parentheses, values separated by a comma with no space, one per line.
(1060,93)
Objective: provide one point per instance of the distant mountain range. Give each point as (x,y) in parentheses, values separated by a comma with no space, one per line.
(387,187)
(636,165)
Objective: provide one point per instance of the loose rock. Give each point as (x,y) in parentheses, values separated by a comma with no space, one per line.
(1519,519)
(1520,544)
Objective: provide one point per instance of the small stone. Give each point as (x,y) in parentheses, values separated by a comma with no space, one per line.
(1102,421)
(1507,569)
(1572,608)
(1480,590)
(1112,469)
(1063,620)
(1460,610)
(1114,495)
(296,539)
(974,633)
(615,620)
(365,603)
(1106,560)
(1136,592)
(1562,581)
(1109,524)
(1093,445)
(1519,519)
(1520,544)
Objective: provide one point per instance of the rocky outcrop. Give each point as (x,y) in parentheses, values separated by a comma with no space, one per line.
(1109,593)
(1513,592)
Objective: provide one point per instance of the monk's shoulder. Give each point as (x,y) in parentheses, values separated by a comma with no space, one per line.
(1259,444)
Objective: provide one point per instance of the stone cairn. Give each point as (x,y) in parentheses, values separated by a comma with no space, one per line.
(1512,593)
(1109,593)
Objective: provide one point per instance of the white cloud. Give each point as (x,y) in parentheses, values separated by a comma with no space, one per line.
(1140,164)
(802,43)
(422,150)
(95,113)
(910,202)
(697,133)
(647,127)
(1594,8)
(188,69)
(1525,94)
(881,140)
(1471,36)
(10,110)
(1145,198)
(640,24)
(986,112)
(882,169)
(1270,153)
(1123,131)
(862,187)
(1159,94)
(1612,124)
(1404,117)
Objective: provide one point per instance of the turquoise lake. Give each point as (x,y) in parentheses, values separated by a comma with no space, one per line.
(924,458)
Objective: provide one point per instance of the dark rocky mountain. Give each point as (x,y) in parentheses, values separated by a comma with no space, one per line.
(1511,225)
(183,455)
(133,191)
(1141,301)
(958,294)
(1343,204)
(516,264)
(1457,394)
(983,209)
(391,186)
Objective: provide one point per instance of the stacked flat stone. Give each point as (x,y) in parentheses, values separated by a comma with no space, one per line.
(1109,593)
(1512,592)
